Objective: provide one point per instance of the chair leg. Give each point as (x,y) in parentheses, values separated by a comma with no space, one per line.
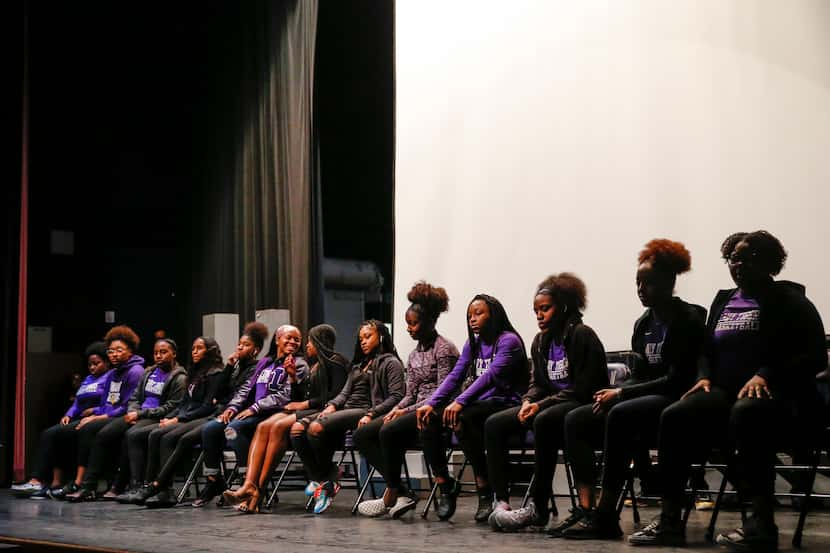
(363,490)
(434,489)
(190,477)
(571,486)
(406,473)
(530,484)
(710,531)
(283,472)
(690,503)
(805,505)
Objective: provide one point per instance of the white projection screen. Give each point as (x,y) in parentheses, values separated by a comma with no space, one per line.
(535,137)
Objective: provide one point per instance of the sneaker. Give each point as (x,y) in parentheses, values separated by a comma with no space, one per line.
(311,488)
(142,494)
(27,488)
(210,490)
(576,515)
(61,493)
(445,502)
(660,531)
(595,526)
(403,505)
(752,537)
(162,500)
(42,493)
(373,508)
(513,520)
(83,494)
(485,506)
(704,502)
(125,497)
(324,496)
(500,507)
(110,495)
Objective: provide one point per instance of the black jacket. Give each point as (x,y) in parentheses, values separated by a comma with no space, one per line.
(171,395)
(200,399)
(586,364)
(387,385)
(682,348)
(792,340)
(324,382)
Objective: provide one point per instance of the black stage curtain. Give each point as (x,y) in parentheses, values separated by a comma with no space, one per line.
(258,222)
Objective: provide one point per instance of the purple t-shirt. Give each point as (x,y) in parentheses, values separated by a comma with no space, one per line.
(154,388)
(654,337)
(89,394)
(558,373)
(737,342)
(271,373)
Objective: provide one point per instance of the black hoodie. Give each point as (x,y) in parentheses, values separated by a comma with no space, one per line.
(792,341)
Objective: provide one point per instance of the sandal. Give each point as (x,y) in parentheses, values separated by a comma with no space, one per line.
(252,505)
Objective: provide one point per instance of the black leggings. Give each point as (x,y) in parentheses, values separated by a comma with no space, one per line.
(548,430)
(167,446)
(56,449)
(86,440)
(384,445)
(689,428)
(316,451)
(623,431)
(470,437)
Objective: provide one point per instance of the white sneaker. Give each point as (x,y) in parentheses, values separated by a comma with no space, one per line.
(510,521)
(373,508)
(498,509)
(27,487)
(404,504)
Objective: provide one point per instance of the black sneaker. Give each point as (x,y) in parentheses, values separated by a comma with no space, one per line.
(485,506)
(126,497)
(210,490)
(577,514)
(83,494)
(445,503)
(61,493)
(143,494)
(42,493)
(162,500)
(752,537)
(660,531)
(595,526)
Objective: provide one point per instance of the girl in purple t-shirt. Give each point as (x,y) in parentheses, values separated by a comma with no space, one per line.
(490,376)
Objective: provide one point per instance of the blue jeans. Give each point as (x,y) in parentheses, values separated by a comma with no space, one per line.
(236,435)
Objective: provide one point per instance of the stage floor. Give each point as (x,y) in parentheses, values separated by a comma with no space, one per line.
(290,528)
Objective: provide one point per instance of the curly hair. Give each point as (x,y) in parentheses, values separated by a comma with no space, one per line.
(730,242)
(566,289)
(666,255)
(96,348)
(428,300)
(770,254)
(125,334)
(257,332)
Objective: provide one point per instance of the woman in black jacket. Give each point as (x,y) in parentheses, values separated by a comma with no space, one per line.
(204,380)
(271,439)
(668,340)
(764,346)
(568,367)
(373,387)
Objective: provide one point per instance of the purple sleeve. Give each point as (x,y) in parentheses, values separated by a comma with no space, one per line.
(453,380)
(508,348)
(73,410)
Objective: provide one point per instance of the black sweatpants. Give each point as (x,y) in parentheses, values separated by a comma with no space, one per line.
(169,445)
(56,449)
(316,451)
(622,431)
(134,451)
(548,429)
(109,449)
(690,427)
(470,437)
(384,445)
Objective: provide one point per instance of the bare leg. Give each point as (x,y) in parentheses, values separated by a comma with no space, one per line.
(586,497)
(80,476)
(277,445)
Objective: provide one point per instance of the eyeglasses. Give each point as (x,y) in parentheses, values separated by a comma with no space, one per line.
(741,257)
(116,350)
